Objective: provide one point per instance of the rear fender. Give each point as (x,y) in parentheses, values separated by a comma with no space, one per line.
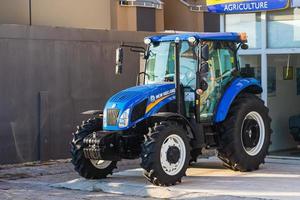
(238,86)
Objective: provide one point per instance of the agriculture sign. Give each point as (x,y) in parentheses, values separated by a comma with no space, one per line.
(240,6)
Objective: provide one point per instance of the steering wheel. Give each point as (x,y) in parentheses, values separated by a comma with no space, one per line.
(188,76)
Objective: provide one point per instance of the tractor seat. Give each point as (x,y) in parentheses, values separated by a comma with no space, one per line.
(294,125)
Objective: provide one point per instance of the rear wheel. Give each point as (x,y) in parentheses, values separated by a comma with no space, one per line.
(245,134)
(90,169)
(165,154)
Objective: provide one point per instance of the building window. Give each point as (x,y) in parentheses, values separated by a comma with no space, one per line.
(284,104)
(249,23)
(251,66)
(284,28)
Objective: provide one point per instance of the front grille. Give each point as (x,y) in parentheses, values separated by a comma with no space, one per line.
(112,116)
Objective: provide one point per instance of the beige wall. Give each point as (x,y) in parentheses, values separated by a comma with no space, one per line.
(14,12)
(93,14)
(179,17)
(126,18)
(159,20)
(98,14)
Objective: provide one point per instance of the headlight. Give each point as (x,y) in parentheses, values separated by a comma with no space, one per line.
(147,41)
(124,119)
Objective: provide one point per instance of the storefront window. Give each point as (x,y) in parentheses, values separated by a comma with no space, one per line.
(284,28)
(251,66)
(249,23)
(284,104)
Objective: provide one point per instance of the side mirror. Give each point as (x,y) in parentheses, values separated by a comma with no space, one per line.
(205,52)
(244,46)
(119,60)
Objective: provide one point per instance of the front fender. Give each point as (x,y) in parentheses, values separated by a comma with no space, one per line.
(239,85)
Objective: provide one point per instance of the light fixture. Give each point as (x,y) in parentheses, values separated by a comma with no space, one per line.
(147,41)
(192,40)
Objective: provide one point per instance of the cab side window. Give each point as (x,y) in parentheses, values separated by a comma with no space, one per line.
(222,58)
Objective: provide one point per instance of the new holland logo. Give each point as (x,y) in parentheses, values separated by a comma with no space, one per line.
(155,99)
(152,98)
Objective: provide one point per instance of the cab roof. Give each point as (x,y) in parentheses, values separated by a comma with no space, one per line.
(229,36)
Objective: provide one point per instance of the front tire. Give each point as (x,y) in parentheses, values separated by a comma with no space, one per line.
(165,154)
(245,134)
(89,169)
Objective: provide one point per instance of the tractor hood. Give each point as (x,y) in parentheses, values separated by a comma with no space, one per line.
(136,103)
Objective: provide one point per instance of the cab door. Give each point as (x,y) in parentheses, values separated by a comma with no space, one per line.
(221,67)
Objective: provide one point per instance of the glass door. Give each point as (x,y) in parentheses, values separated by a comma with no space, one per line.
(284,99)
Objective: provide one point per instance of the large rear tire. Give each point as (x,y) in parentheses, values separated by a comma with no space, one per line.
(245,134)
(90,169)
(165,154)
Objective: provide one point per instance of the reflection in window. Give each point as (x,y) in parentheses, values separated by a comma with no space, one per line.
(284,28)
(251,66)
(249,23)
(160,66)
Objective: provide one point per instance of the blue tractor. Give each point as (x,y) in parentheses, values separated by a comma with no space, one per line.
(191,96)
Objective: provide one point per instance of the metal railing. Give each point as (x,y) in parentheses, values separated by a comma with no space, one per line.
(142,3)
(195,7)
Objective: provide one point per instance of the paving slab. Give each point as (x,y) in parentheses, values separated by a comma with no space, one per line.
(279,178)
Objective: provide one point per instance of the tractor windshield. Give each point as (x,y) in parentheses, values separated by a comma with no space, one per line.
(160,65)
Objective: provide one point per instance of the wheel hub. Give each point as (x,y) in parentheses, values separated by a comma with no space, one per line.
(173,154)
(101,164)
(251,133)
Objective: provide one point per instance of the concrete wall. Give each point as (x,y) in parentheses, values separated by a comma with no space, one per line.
(126,18)
(14,12)
(159,20)
(50,75)
(93,14)
(179,17)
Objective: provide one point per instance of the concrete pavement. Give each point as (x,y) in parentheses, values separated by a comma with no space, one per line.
(279,178)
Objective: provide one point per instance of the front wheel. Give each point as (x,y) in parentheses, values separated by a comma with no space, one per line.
(245,134)
(89,169)
(165,154)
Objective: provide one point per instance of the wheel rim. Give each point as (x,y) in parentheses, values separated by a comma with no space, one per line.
(100,164)
(253,133)
(172,154)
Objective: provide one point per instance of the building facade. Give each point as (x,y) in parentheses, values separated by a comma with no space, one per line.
(274,59)
(123,15)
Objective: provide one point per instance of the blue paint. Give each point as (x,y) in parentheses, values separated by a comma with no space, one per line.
(230,94)
(234,37)
(132,96)
(248,6)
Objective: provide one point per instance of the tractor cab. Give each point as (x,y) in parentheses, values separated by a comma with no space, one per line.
(217,66)
(199,66)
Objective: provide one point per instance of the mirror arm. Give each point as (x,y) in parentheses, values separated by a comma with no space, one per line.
(239,46)
(134,48)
